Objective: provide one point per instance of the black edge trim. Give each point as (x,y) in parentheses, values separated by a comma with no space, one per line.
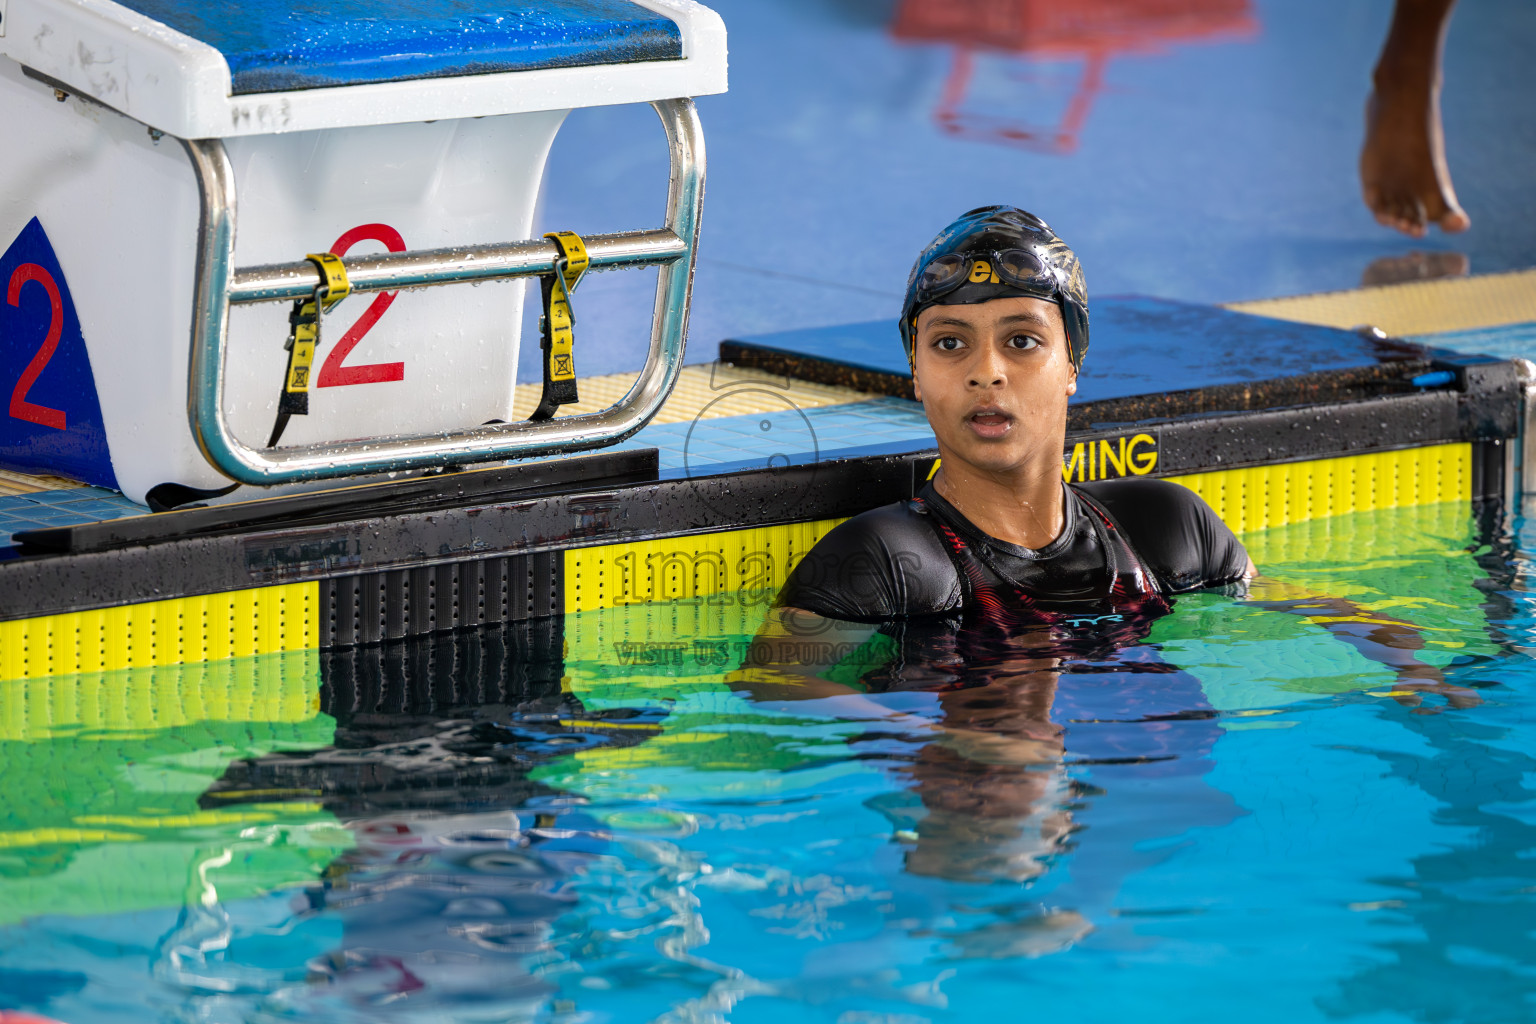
(390,549)
(393,497)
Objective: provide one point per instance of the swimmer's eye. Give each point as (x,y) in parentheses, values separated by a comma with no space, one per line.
(1024,342)
(948,343)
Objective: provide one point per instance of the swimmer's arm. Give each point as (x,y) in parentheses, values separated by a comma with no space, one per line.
(789,655)
(1385,639)
(792,650)
(795,646)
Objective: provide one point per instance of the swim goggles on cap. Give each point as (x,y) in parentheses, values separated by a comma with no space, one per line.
(1020,268)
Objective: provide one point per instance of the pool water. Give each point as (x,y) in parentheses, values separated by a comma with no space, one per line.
(623,817)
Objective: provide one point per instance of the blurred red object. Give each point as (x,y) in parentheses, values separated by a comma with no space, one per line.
(17,1017)
(1092,31)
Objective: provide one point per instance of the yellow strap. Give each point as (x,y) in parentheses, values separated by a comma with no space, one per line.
(303,357)
(306,332)
(1366,620)
(336,286)
(561,365)
(562,319)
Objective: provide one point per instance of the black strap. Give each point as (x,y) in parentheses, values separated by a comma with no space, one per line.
(303,339)
(168,497)
(556,392)
(1140,570)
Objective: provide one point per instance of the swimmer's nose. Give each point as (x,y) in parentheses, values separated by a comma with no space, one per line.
(988,370)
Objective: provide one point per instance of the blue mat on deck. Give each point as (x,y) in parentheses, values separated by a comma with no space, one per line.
(305,44)
(1137,346)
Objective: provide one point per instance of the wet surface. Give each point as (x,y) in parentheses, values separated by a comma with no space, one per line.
(1139,348)
(273,47)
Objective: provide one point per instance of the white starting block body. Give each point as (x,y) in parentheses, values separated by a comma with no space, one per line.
(346,132)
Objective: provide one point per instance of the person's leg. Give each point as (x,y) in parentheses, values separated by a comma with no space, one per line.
(1402,167)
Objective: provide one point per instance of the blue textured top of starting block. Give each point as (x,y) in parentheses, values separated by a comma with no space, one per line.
(277,45)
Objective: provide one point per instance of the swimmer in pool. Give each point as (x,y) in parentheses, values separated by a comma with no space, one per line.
(995,324)
(998,577)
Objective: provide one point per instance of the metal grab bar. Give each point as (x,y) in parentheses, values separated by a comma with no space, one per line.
(277,282)
(219,285)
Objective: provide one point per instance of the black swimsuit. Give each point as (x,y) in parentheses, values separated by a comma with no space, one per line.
(1127,591)
(1127,545)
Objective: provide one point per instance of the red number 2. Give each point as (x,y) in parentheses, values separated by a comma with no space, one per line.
(21,409)
(333,372)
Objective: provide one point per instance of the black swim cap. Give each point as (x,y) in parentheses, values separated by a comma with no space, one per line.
(1031,261)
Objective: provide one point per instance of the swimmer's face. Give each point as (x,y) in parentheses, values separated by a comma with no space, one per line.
(994,379)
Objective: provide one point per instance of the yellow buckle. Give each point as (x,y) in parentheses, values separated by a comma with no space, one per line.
(336,286)
(573,265)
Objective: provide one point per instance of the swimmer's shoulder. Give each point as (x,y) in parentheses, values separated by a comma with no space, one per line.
(883,564)
(1176,533)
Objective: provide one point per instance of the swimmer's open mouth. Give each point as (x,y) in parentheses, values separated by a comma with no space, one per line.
(989,421)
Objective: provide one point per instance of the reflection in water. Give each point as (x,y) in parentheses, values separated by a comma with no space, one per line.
(1415,265)
(1088,33)
(993,784)
(461,863)
(986,717)
(1469,952)
(602,819)
(1470,949)
(490,856)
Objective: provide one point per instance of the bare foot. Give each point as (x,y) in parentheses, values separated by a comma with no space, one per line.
(1402,167)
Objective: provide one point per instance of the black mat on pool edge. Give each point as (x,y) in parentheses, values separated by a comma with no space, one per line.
(1139,348)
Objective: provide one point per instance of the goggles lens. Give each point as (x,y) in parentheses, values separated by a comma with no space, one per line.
(942,275)
(1018,267)
(1022,267)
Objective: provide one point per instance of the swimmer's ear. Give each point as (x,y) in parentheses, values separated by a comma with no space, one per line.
(917,389)
(1072,383)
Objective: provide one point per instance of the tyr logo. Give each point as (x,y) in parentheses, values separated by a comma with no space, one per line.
(1078,622)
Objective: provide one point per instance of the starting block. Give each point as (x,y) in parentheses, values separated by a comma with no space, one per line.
(167,166)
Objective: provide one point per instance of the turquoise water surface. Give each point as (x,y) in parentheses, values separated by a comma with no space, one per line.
(625,816)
